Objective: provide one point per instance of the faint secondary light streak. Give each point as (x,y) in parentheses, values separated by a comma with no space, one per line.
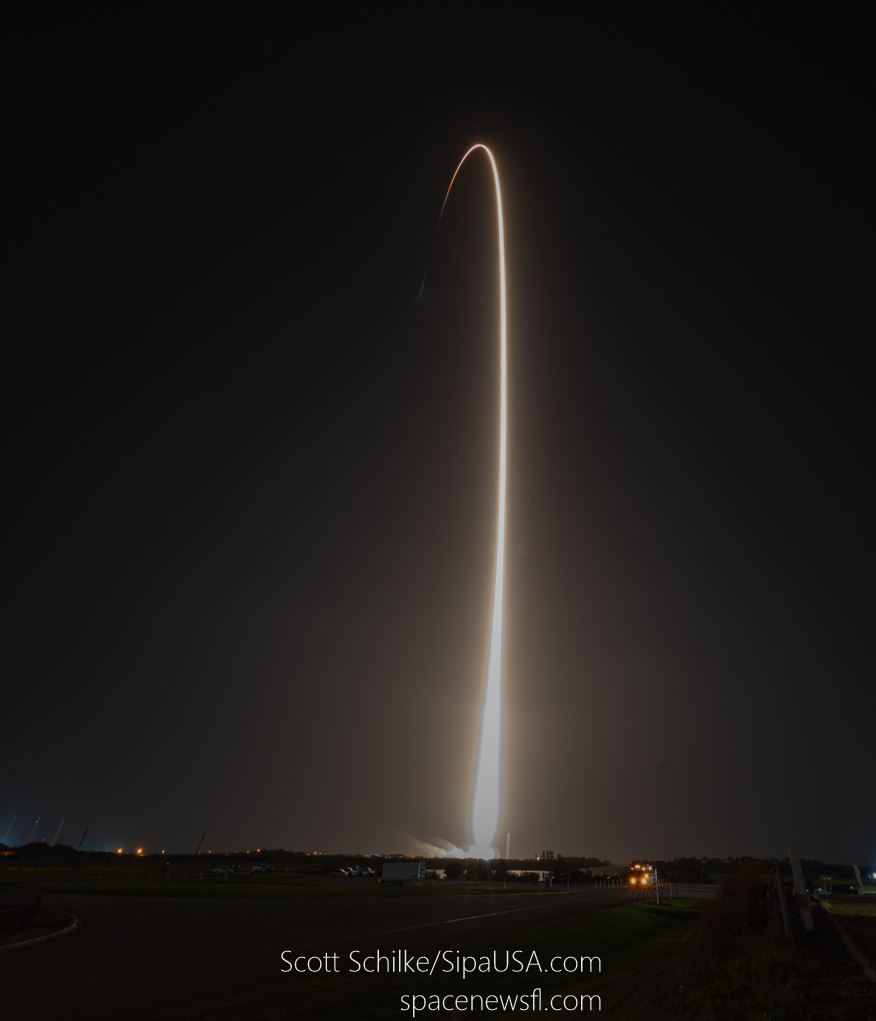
(486,798)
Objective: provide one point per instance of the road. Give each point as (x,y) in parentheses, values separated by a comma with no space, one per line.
(136,957)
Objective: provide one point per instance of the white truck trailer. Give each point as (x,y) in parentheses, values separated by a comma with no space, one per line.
(396,872)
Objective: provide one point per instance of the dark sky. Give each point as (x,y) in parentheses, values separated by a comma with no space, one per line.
(250,507)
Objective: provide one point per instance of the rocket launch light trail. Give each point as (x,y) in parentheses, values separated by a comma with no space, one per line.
(486,799)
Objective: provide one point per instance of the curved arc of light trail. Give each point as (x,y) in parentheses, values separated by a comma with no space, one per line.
(486,799)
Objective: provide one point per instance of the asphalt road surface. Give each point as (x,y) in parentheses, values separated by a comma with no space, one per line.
(137,957)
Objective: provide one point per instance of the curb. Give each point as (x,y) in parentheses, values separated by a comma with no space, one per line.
(855,950)
(41,939)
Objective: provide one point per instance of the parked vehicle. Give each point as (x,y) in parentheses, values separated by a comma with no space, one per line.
(396,872)
(340,874)
(261,868)
(223,870)
(528,877)
(842,888)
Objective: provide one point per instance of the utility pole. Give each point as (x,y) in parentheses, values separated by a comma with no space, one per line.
(34,827)
(859,880)
(800,886)
(783,902)
(10,827)
(201,841)
(84,835)
(657,880)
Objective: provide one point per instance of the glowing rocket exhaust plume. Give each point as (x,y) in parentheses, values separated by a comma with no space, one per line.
(486,798)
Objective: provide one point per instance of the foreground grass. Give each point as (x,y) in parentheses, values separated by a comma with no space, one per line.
(738,967)
(624,938)
(757,981)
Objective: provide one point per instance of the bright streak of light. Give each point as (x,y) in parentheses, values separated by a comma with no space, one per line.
(486,799)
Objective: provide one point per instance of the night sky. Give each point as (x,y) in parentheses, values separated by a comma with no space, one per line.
(250,494)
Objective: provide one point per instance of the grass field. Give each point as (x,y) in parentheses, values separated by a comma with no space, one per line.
(849,905)
(738,966)
(627,939)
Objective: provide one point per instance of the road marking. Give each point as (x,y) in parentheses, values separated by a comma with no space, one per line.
(51,935)
(426,925)
(855,950)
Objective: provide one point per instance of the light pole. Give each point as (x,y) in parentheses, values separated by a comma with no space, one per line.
(10,827)
(84,835)
(201,841)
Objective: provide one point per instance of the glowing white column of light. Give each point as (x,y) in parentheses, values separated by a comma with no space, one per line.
(486,799)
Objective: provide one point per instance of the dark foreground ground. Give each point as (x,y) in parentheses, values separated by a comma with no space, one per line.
(214,955)
(138,956)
